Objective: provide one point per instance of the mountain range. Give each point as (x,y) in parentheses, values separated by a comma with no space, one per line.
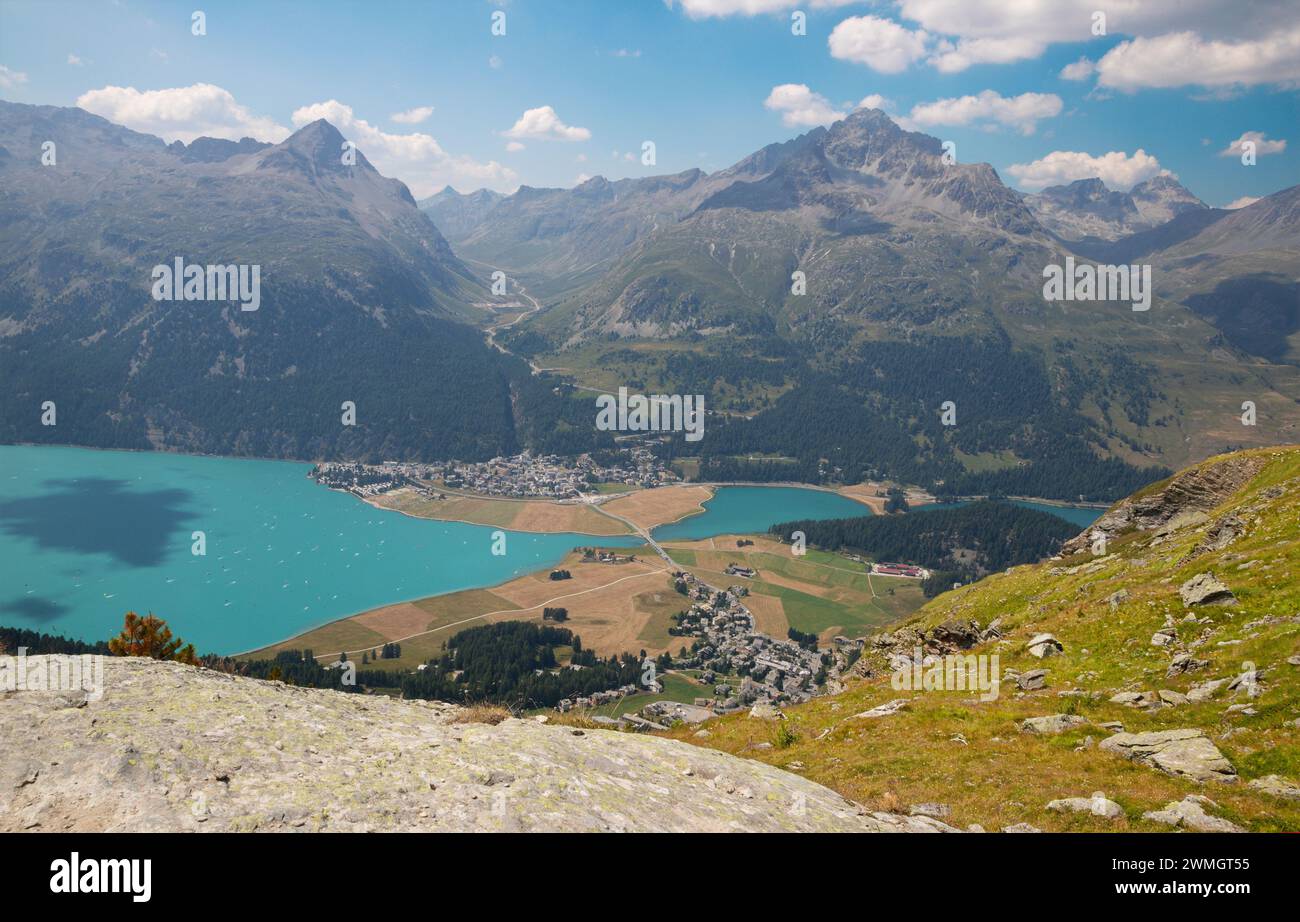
(1087,209)
(923,284)
(827,294)
(362,299)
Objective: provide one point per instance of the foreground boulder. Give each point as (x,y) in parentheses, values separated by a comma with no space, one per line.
(1052,724)
(172,747)
(1277,786)
(1098,805)
(1186,753)
(1206,589)
(1044,645)
(1190,813)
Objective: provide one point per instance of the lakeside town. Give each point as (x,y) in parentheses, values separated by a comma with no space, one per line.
(521,476)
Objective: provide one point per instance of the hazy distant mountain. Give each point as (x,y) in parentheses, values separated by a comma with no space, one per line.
(1087,210)
(359,292)
(560,238)
(1163,198)
(457,215)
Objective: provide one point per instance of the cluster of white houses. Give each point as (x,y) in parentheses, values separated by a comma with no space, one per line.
(596,699)
(727,642)
(554,477)
(521,475)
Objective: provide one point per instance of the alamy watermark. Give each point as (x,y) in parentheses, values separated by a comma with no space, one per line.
(1086,282)
(55,672)
(954,672)
(193,282)
(654,413)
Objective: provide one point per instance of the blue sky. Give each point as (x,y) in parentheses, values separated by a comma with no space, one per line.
(575,86)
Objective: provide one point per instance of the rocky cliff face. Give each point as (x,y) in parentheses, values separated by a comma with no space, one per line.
(1183,500)
(171,747)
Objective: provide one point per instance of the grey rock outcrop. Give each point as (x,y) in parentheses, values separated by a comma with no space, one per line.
(1033,680)
(1098,805)
(1277,786)
(1052,724)
(172,747)
(1042,645)
(1190,813)
(1186,753)
(1206,589)
(1200,489)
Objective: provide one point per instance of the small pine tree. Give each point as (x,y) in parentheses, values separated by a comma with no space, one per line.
(150,636)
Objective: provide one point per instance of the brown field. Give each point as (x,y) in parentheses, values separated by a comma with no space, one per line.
(395,621)
(769,614)
(651,508)
(613,607)
(515,514)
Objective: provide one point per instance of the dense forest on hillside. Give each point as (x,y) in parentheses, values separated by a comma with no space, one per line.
(999,534)
(499,663)
(875,412)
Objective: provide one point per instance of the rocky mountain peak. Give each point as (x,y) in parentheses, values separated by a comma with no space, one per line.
(314,149)
(1090,193)
(1163,198)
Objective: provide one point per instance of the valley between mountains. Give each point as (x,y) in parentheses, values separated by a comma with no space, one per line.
(865,321)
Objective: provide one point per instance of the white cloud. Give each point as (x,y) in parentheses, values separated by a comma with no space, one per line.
(1242,202)
(495,62)
(416,159)
(1263,145)
(1116,169)
(181,113)
(800,107)
(989,108)
(1184,58)
(543,124)
(881,44)
(75,61)
(626,53)
(962,33)
(875,101)
(514,147)
(11,78)
(950,58)
(412,116)
(1081,69)
(581,178)
(703,9)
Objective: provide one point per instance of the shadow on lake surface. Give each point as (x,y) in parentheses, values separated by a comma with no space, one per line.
(34,608)
(101,516)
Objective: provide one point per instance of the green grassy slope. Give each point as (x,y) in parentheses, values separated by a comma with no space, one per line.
(951,748)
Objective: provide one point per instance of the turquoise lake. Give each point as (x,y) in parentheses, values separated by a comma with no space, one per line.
(87,535)
(1082,516)
(740,510)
